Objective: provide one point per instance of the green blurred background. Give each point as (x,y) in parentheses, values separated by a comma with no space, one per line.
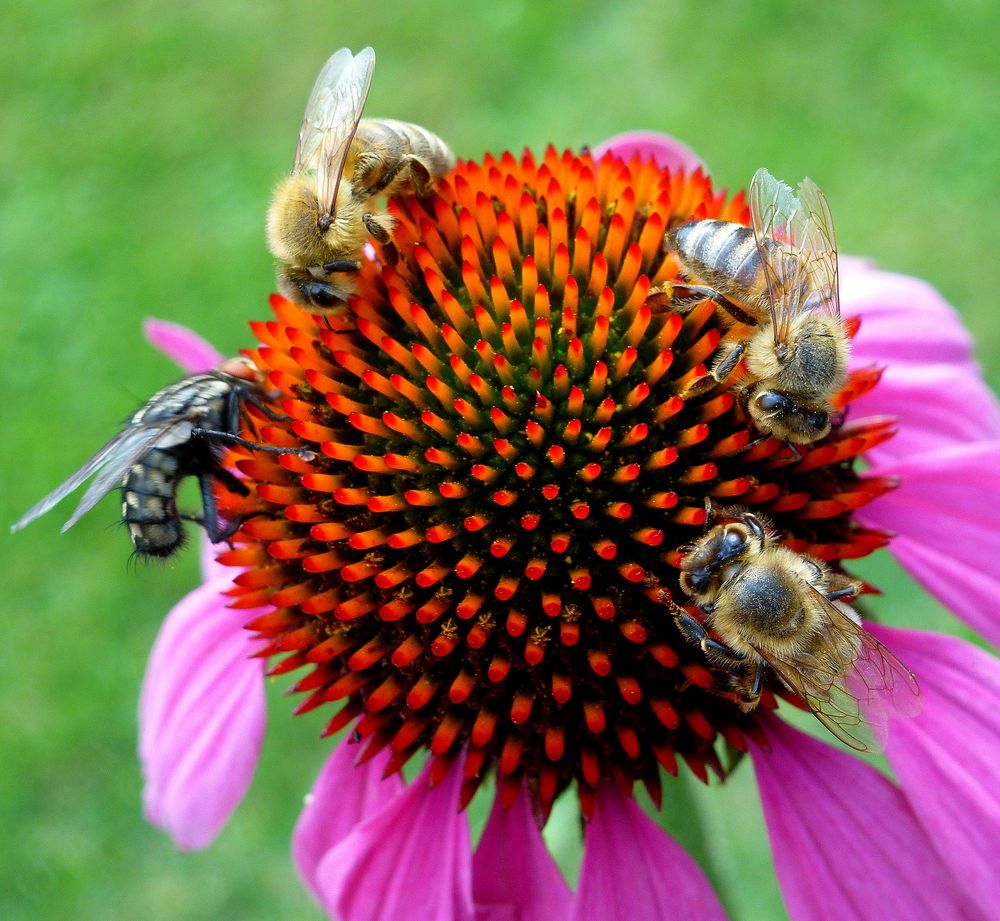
(138,146)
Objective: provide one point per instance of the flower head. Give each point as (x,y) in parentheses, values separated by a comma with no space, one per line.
(479,565)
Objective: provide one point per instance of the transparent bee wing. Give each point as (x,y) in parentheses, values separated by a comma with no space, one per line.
(821,264)
(883,686)
(331,118)
(797,247)
(113,460)
(856,688)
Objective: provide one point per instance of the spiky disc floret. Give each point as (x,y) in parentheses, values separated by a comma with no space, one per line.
(478,564)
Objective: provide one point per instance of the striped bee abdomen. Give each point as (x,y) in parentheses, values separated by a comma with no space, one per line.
(398,139)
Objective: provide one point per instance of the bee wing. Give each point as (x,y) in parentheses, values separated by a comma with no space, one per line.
(797,247)
(331,118)
(854,690)
(128,447)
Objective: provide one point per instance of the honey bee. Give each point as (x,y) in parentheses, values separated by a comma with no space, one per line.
(774,608)
(320,216)
(779,275)
(176,433)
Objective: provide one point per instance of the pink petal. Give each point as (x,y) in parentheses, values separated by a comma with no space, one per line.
(936,406)
(211,568)
(185,347)
(946,757)
(632,869)
(410,861)
(846,843)
(902,318)
(342,796)
(514,878)
(667,152)
(201,717)
(945,520)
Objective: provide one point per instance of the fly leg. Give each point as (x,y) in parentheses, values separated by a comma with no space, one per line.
(232,439)
(216,528)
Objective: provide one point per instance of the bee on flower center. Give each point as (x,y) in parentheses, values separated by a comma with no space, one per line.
(771,607)
(322,214)
(780,275)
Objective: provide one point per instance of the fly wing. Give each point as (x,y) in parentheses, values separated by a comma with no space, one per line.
(855,687)
(797,248)
(128,447)
(331,118)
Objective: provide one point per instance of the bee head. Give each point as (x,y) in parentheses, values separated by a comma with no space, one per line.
(723,544)
(781,416)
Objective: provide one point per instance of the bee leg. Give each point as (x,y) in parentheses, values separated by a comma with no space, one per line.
(229,438)
(420,177)
(341,265)
(749,699)
(839,593)
(696,635)
(703,292)
(375,230)
(725,366)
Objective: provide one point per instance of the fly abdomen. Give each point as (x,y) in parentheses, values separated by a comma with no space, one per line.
(149,504)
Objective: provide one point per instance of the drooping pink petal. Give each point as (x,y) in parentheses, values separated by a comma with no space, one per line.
(201,717)
(667,152)
(943,515)
(935,406)
(514,878)
(902,318)
(342,796)
(410,861)
(632,869)
(946,757)
(846,843)
(185,347)
(211,568)
(931,383)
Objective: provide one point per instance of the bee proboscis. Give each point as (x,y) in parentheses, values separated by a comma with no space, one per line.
(176,433)
(322,214)
(780,275)
(773,608)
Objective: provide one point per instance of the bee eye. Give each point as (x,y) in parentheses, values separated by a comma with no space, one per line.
(818,420)
(732,544)
(771,401)
(319,294)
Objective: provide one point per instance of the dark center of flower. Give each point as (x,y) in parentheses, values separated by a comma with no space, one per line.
(479,565)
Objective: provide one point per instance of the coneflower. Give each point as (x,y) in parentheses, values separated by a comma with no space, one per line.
(475,572)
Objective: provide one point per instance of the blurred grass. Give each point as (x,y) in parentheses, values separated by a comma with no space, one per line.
(139,145)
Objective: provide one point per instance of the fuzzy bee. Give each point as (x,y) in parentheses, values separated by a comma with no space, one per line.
(781,276)
(322,215)
(773,608)
(178,432)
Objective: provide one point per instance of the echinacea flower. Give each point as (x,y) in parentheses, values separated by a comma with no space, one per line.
(473,574)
